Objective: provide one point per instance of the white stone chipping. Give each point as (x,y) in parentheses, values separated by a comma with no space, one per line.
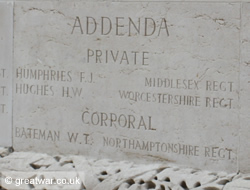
(106,174)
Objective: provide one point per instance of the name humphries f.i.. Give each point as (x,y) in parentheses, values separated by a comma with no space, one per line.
(120,26)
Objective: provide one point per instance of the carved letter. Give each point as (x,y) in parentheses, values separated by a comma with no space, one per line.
(94,22)
(102,25)
(164,23)
(79,25)
(146,26)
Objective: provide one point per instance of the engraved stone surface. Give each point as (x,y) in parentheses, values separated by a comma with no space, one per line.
(6,31)
(126,83)
(245,91)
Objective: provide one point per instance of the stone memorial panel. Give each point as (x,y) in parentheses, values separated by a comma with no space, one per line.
(142,81)
(245,90)
(6,34)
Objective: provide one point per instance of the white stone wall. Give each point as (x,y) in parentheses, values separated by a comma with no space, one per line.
(245,90)
(6,55)
(26,171)
(147,81)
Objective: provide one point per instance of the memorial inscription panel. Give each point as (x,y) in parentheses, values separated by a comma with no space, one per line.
(6,23)
(157,81)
